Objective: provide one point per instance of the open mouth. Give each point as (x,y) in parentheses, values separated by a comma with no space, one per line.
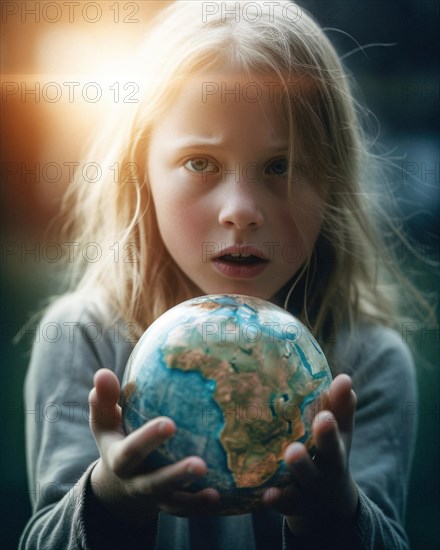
(241,258)
(246,263)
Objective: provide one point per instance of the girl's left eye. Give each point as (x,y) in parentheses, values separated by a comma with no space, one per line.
(200,165)
(277,167)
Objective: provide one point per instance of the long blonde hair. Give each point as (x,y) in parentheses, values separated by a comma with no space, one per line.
(345,279)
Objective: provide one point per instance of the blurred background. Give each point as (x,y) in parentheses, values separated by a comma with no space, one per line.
(63,65)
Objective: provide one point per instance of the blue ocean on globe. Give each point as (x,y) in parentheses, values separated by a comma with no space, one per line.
(241,378)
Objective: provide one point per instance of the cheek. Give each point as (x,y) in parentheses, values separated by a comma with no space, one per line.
(308,221)
(305,218)
(182,223)
(171,203)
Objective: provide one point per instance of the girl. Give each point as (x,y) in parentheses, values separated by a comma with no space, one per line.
(238,172)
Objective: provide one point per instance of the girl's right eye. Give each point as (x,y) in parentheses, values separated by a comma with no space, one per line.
(200,165)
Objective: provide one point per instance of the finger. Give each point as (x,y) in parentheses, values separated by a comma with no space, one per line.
(272,496)
(126,457)
(343,402)
(286,501)
(105,412)
(184,504)
(301,465)
(294,497)
(330,449)
(170,478)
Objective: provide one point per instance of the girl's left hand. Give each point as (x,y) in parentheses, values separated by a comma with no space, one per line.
(323,486)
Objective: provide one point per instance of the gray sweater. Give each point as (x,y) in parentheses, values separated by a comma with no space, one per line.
(72,344)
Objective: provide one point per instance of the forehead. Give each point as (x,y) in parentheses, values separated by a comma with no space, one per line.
(227,102)
(238,87)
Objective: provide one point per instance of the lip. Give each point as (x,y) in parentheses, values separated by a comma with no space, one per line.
(242,249)
(236,271)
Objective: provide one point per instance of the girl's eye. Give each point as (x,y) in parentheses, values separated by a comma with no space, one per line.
(200,165)
(277,167)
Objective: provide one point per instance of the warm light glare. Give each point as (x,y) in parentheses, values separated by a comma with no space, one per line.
(79,51)
(79,80)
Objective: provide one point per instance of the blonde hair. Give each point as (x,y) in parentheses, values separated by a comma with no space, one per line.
(345,279)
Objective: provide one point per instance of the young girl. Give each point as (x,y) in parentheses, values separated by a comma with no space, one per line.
(238,172)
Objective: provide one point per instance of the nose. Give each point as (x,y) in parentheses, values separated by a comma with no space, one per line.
(240,206)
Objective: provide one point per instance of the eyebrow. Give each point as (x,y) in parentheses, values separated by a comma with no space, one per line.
(213,142)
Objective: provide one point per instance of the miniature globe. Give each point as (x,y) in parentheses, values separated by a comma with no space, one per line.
(241,378)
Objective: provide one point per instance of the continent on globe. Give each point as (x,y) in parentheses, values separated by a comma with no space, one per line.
(241,378)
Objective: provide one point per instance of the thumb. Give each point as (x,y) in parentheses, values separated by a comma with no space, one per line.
(105,413)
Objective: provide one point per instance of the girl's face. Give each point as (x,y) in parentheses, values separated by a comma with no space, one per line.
(217,170)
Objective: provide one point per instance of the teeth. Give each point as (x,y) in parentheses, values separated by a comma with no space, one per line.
(239,255)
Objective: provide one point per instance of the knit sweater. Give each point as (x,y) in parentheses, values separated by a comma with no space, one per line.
(73,343)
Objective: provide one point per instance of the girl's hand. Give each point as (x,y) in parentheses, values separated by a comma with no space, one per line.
(120,479)
(323,486)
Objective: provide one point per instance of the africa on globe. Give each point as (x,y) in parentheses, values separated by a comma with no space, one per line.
(241,378)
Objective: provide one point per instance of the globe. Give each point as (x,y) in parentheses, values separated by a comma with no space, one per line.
(241,378)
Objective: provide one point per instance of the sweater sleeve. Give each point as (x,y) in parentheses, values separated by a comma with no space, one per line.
(70,346)
(383,375)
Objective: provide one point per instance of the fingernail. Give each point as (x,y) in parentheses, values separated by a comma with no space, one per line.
(294,451)
(191,469)
(271,496)
(211,495)
(163,427)
(326,417)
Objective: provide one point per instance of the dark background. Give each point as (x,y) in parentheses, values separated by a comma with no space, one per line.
(399,82)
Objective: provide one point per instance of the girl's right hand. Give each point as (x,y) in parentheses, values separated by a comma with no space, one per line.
(120,479)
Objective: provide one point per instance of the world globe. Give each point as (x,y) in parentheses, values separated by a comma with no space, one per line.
(241,378)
